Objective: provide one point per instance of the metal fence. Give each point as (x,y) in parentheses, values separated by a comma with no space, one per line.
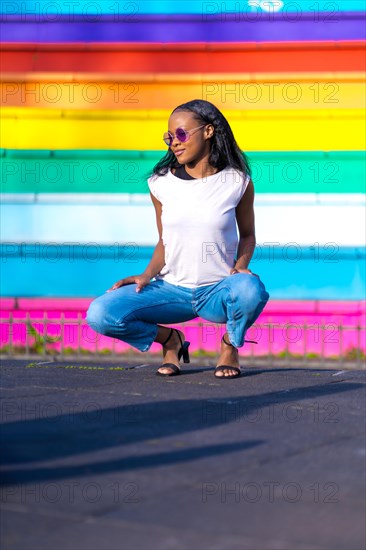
(65,338)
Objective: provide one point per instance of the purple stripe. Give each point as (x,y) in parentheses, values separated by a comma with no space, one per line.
(185,29)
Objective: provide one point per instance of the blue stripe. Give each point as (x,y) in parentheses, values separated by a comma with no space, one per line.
(169,7)
(88,271)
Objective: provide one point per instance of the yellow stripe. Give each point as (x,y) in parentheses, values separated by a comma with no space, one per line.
(309,130)
(139,92)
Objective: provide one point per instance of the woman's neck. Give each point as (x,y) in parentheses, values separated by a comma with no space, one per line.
(200,170)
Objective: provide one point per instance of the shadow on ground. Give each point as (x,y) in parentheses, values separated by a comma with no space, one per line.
(77,434)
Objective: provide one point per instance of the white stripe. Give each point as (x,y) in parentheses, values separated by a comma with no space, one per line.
(76,198)
(115,223)
(261,199)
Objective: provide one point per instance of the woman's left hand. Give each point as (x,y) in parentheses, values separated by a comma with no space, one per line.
(238,270)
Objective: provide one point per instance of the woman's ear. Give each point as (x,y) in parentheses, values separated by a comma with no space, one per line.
(209,131)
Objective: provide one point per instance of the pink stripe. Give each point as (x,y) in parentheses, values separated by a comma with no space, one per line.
(274,306)
(286,319)
(295,307)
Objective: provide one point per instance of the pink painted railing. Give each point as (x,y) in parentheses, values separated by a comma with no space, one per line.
(327,329)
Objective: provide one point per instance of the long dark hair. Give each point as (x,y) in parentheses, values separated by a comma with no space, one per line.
(224,149)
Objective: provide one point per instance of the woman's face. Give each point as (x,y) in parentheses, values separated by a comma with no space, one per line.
(197,146)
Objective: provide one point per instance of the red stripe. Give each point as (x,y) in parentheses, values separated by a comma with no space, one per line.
(344,56)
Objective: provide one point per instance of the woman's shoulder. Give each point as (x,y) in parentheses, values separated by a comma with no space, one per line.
(157,184)
(235,175)
(157,176)
(235,183)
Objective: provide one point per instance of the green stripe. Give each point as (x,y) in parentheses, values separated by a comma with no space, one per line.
(89,171)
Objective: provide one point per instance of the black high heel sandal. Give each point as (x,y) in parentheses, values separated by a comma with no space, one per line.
(221,368)
(182,352)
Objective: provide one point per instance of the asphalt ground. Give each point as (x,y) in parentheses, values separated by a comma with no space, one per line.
(110,456)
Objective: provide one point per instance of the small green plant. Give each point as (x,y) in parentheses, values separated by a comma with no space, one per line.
(203,353)
(281,354)
(68,351)
(41,341)
(6,350)
(353,354)
(312,355)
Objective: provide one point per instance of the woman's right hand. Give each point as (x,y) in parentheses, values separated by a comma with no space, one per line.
(140,280)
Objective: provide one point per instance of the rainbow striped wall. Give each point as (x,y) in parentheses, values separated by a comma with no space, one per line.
(86,95)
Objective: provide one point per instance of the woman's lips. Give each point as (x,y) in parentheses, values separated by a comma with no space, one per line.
(179,152)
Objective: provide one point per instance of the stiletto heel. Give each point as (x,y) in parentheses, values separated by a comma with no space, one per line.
(182,352)
(183,349)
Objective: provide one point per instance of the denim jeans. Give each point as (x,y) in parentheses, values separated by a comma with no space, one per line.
(131,316)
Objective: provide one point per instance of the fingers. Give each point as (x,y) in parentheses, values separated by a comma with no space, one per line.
(118,284)
(128,281)
(234,270)
(140,286)
(114,287)
(140,281)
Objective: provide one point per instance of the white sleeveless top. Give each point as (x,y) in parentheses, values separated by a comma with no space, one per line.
(200,233)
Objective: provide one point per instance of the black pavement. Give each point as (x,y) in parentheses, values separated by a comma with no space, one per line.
(99,457)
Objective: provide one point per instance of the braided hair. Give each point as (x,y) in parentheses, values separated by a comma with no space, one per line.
(224,149)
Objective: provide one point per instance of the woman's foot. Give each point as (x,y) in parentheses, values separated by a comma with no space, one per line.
(228,358)
(170,351)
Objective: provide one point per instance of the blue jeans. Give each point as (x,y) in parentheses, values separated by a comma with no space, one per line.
(133,316)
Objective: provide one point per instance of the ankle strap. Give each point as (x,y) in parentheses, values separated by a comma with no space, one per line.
(167,340)
(170,335)
(229,344)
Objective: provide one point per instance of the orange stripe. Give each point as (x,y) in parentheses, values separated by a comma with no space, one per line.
(287,91)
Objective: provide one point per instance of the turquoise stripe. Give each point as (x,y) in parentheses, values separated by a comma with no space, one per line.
(133,8)
(89,270)
(43,171)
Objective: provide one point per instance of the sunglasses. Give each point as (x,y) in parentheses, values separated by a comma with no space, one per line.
(180,134)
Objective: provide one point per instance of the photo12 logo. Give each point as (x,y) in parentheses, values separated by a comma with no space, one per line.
(255,10)
(69,10)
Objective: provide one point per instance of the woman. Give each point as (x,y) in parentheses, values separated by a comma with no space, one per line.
(203,194)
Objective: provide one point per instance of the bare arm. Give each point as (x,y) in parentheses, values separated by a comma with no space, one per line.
(157,261)
(246,226)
